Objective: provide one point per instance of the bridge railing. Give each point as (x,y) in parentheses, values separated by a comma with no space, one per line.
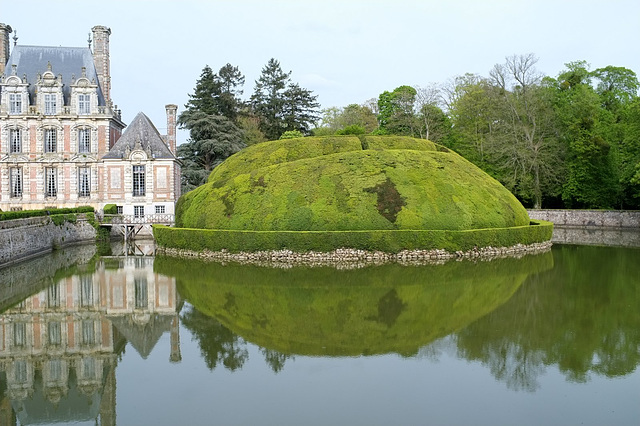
(130,219)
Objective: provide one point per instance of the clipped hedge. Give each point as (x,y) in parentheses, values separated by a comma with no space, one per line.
(23,214)
(110,209)
(389,241)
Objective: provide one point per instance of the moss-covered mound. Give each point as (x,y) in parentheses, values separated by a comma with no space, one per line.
(349,183)
(373,310)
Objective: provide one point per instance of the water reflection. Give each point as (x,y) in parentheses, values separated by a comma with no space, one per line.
(67,319)
(583,316)
(59,347)
(323,311)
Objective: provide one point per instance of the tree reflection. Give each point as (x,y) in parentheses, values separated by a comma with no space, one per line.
(582,316)
(217,343)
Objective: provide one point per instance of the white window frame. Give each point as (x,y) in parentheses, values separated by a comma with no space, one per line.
(15,103)
(50,140)
(138,211)
(119,209)
(15,141)
(84,104)
(84,141)
(84,181)
(160,209)
(50,104)
(50,182)
(15,181)
(138,181)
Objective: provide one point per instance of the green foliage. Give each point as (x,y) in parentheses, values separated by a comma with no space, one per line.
(441,190)
(333,195)
(110,209)
(291,134)
(389,241)
(215,94)
(213,139)
(280,104)
(48,212)
(60,219)
(354,129)
(396,111)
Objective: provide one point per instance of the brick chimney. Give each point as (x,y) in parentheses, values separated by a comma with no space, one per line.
(171,126)
(5,30)
(101,59)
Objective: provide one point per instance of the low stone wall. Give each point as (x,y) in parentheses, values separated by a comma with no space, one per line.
(592,218)
(24,238)
(352,258)
(593,236)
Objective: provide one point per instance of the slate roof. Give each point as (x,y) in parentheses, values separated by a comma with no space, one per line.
(33,60)
(143,337)
(141,130)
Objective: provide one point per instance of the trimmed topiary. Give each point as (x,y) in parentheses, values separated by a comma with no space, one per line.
(352,183)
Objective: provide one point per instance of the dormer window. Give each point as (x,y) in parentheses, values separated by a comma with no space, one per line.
(84,141)
(84,104)
(50,140)
(50,104)
(15,103)
(15,141)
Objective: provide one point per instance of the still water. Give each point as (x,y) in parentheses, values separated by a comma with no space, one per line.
(546,339)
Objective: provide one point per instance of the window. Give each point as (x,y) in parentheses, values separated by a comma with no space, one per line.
(15,103)
(140,287)
(84,104)
(84,181)
(84,141)
(55,370)
(15,181)
(15,141)
(88,332)
(119,210)
(138,181)
(50,140)
(19,334)
(159,209)
(138,211)
(54,331)
(86,291)
(53,296)
(20,371)
(50,104)
(50,181)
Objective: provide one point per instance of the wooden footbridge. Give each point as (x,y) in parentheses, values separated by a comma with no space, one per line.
(131,225)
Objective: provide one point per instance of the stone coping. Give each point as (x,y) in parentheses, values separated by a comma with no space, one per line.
(352,259)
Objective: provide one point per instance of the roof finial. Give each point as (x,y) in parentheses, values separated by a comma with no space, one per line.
(89,40)
(15,38)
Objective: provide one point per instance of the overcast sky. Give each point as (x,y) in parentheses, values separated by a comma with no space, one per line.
(344,51)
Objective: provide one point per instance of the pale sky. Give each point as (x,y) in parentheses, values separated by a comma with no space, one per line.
(344,51)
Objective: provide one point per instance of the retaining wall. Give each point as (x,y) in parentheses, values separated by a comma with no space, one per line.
(589,218)
(24,238)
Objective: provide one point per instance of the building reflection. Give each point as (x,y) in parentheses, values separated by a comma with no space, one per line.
(59,348)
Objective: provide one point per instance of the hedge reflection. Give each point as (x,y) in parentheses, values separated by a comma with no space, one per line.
(583,316)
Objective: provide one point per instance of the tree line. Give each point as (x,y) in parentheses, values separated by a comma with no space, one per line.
(220,123)
(569,141)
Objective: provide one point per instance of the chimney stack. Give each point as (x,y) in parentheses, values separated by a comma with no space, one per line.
(171,127)
(101,59)
(5,30)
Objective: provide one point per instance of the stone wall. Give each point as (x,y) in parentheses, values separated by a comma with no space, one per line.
(589,218)
(24,238)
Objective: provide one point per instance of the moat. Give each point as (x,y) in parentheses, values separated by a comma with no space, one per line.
(113,336)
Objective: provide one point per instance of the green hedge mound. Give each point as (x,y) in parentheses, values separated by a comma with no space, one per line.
(353,183)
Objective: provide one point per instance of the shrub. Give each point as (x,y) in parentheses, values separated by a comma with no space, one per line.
(48,212)
(110,209)
(390,241)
